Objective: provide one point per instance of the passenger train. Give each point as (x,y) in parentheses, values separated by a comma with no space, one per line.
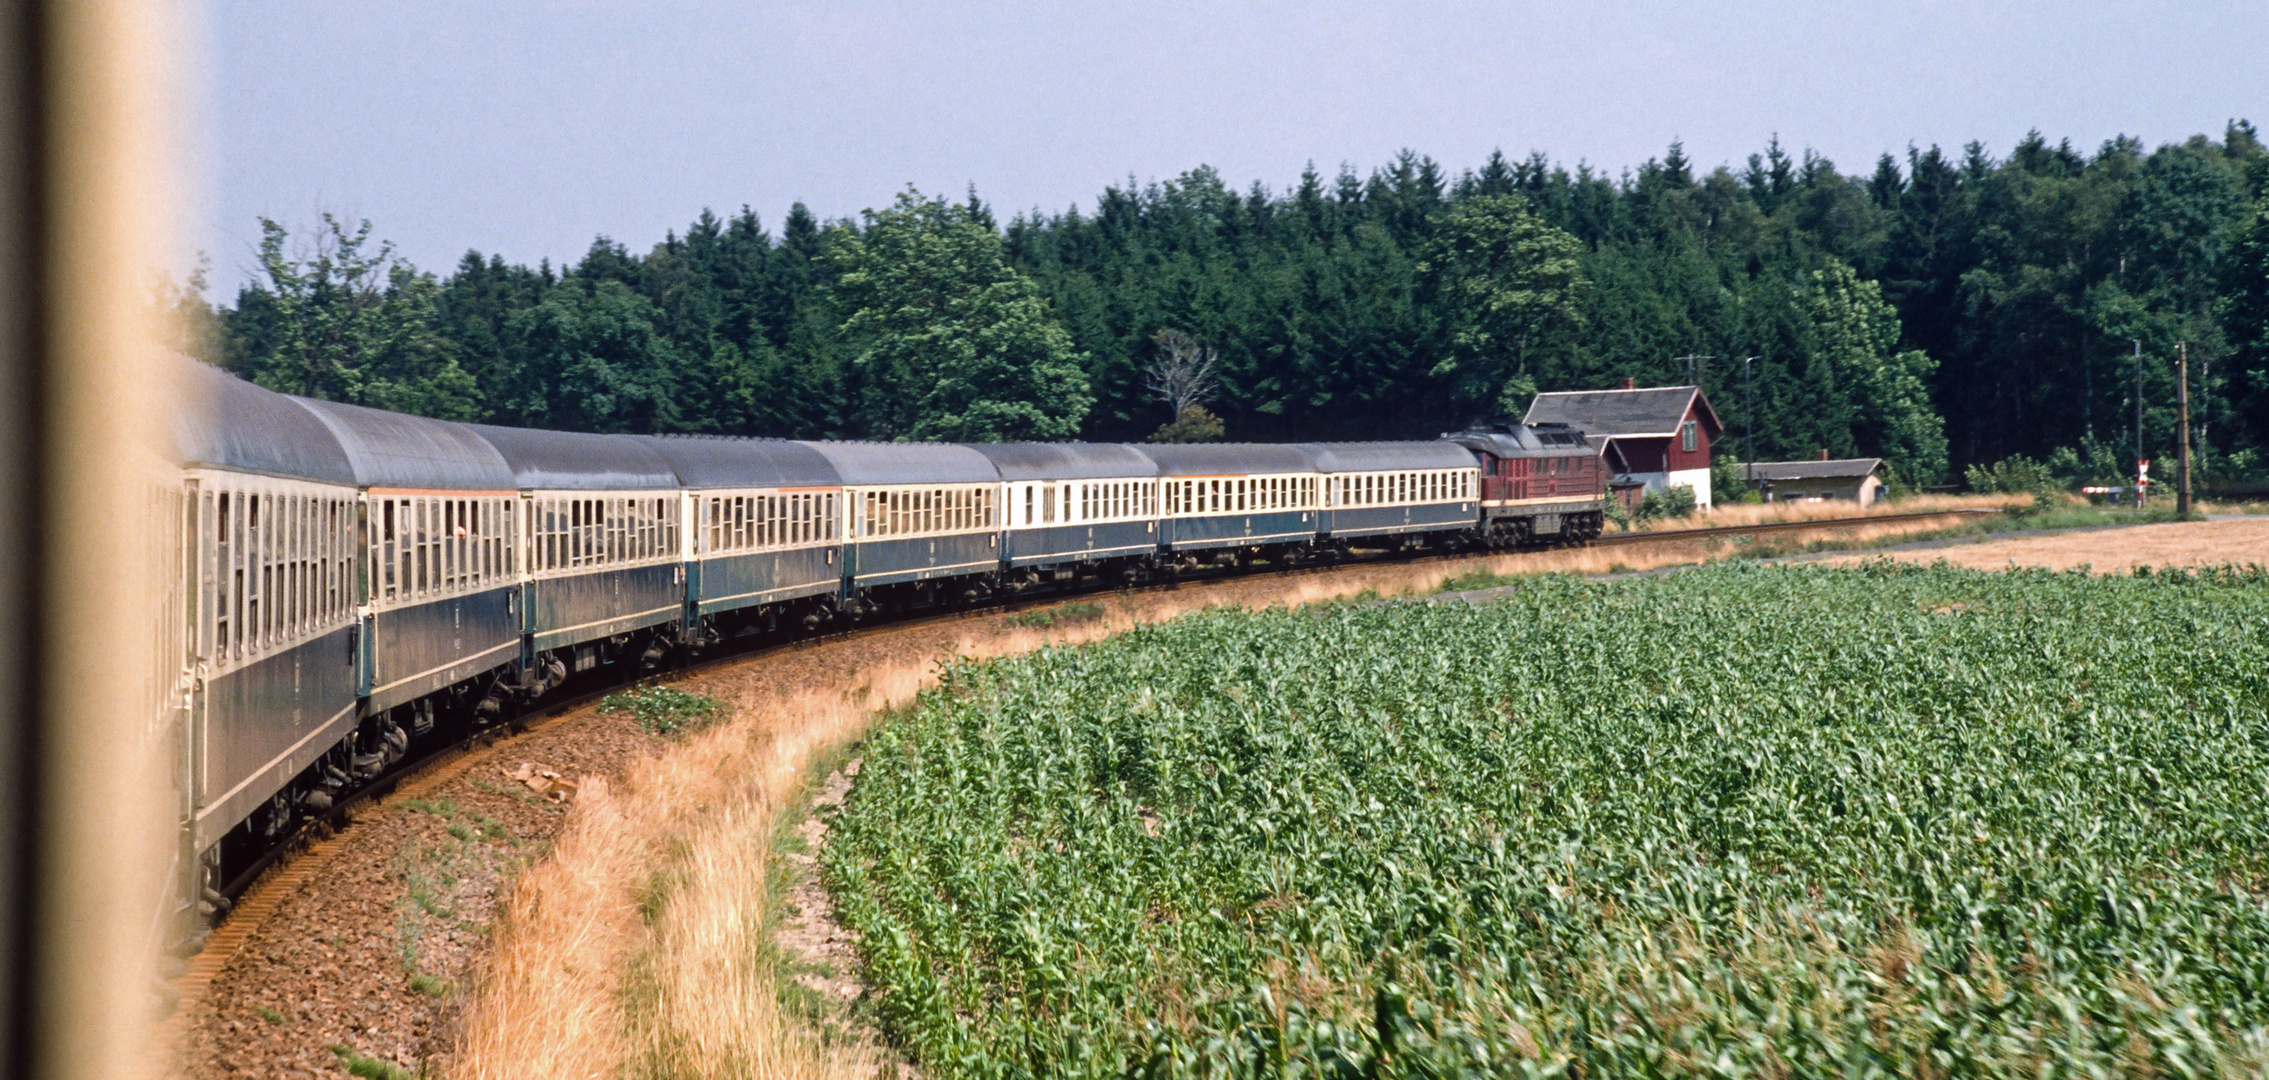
(356,583)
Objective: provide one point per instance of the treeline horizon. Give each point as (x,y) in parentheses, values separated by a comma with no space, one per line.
(1943,311)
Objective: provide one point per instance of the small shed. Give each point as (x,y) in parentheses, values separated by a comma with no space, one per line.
(1857,480)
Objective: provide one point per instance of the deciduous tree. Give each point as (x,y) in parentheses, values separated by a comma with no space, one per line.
(944,339)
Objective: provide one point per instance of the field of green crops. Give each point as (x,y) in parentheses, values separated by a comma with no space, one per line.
(1769,821)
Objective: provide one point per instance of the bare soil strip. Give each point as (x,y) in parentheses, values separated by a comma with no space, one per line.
(471,927)
(2117,550)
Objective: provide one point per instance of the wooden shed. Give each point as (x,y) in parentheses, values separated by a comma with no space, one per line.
(1857,480)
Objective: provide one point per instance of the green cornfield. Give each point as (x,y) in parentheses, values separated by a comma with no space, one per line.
(1735,821)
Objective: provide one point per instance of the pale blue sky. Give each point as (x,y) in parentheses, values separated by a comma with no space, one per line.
(526,129)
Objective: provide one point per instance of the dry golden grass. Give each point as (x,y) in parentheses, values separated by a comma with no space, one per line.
(1766,513)
(641,946)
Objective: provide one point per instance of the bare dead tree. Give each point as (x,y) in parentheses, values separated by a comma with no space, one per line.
(1183,374)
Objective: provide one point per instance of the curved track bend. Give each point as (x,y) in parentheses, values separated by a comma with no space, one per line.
(265,887)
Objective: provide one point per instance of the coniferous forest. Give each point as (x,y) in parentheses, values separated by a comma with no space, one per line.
(1946,310)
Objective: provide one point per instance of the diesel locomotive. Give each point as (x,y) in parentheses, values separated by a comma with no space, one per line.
(356,583)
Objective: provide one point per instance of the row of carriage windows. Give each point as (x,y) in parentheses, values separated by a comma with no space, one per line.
(423,547)
(1094,500)
(283,563)
(753,522)
(614,530)
(928,511)
(1233,495)
(281,568)
(1400,488)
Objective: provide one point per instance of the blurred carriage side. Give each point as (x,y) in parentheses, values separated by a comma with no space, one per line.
(266,613)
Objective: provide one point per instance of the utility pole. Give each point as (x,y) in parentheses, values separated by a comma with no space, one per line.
(1748,410)
(2182,408)
(1694,368)
(2139,481)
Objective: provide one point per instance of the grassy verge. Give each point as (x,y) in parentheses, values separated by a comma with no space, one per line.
(664,710)
(1044,617)
(1773,513)
(643,946)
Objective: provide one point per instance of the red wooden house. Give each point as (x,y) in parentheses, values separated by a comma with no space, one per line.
(1649,438)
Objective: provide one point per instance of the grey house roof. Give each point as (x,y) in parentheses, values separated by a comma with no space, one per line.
(1649,411)
(1836,469)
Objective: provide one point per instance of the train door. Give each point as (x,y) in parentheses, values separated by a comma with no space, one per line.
(198,574)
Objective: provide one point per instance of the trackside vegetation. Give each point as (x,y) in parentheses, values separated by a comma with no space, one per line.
(1782,821)
(664,710)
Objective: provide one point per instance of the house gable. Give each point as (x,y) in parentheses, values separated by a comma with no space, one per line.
(1648,411)
(1645,427)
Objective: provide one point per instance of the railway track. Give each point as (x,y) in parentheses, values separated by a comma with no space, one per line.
(259,892)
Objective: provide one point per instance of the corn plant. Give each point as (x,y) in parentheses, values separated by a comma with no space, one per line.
(1743,820)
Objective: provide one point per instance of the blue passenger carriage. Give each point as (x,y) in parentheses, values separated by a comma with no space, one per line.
(1235,501)
(1075,509)
(1397,494)
(767,520)
(603,546)
(921,523)
(440,601)
(270,504)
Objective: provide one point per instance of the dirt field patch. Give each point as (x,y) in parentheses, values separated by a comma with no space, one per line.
(2239,541)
